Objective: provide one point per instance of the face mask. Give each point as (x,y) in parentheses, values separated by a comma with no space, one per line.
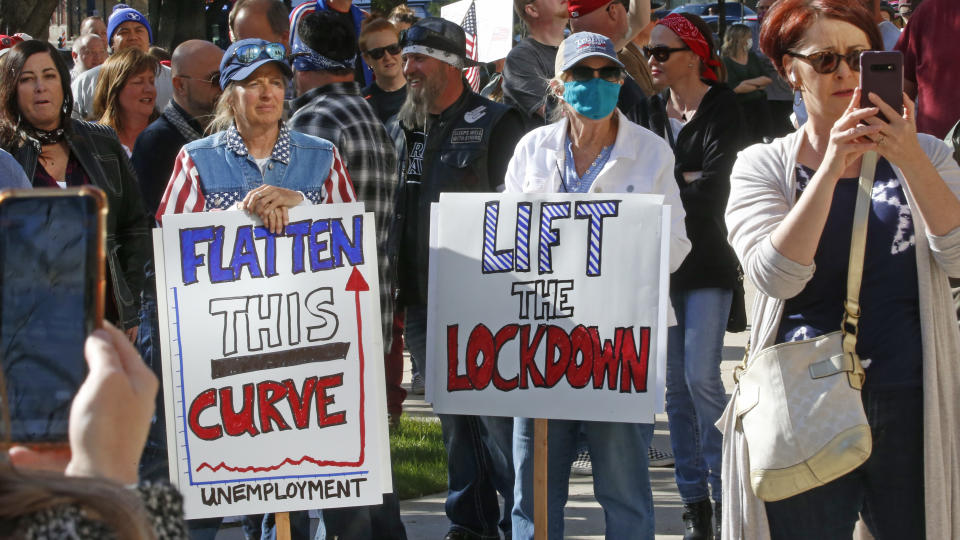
(594,99)
(750,43)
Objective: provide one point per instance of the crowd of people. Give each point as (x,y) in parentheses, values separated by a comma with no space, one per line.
(756,142)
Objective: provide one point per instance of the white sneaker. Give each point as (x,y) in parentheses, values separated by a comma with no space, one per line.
(582,466)
(416,385)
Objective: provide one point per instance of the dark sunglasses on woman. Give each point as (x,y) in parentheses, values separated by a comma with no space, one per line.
(607,73)
(661,52)
(378,53)
(248,54)
(825,62)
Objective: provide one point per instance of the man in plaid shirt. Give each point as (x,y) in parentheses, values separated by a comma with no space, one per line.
(329,105)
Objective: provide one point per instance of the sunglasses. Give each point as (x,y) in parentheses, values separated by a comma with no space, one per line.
(827,62)
(607,73)
(378,53)
(661,53)
(248,54)
(212,79)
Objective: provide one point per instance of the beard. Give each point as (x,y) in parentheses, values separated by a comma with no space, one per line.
(413,113)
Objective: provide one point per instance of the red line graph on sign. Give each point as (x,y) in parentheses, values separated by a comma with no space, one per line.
(358,284)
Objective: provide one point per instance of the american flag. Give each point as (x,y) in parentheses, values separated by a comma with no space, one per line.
(470,29)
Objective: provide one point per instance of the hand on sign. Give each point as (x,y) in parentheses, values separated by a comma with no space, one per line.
(111,413)
(270,204)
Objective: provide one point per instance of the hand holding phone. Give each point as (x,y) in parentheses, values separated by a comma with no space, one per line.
(51,298)
(110,416)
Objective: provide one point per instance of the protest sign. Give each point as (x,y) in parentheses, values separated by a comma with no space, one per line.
(273,361)
(494,25)
(548,306)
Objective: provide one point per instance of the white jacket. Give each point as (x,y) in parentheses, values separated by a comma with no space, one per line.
(640,162)
(763,190)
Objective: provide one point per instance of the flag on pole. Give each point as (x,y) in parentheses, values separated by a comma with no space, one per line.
(469,25)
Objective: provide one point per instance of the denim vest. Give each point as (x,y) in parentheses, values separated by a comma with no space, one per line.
(227,172)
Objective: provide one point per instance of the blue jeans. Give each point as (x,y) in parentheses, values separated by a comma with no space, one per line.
(621,480)
(695,394)
(479,455)
(887,490)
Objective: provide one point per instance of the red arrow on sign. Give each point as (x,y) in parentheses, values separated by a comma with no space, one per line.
(357,284)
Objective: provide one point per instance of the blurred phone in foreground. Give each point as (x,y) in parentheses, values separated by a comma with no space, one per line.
(51,297)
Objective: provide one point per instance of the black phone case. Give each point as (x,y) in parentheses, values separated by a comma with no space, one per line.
(881,72)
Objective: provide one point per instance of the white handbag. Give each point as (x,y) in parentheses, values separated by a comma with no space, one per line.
(799,403)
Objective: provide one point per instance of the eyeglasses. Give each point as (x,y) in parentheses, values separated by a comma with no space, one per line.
(824,62)
(248,54)
(661,53)
(212,79)
(607,73)
(378,53)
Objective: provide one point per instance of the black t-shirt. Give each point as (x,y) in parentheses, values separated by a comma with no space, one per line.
(526,71)
(385,104)
(889,334)
(410,291)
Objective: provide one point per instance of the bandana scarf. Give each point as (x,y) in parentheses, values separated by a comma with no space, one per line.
(694,39)
(180,123)
(306,59)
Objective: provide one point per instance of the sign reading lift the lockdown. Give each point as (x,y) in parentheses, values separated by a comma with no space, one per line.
(273,361)
(548,306)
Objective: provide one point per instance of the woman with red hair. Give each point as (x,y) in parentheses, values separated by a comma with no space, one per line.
(790,217)
(705,128)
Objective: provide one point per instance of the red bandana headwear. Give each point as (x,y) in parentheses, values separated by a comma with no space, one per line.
(694,39)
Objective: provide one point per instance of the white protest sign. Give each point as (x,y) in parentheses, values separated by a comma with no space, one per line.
(494,25)
(273,361)
(548,306)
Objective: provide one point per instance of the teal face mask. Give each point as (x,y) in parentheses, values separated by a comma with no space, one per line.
(594,99)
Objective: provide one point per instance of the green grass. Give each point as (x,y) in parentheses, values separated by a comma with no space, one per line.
(418,457)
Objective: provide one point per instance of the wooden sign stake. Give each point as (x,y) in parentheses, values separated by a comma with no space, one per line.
(283,525)
(540,479)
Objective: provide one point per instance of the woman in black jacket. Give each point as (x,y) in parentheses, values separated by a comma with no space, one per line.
(35,127)
(701,120)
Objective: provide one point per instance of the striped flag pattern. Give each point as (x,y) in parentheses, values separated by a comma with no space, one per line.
(469,25)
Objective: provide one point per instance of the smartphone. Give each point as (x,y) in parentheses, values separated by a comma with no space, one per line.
(52,284)
(881,72)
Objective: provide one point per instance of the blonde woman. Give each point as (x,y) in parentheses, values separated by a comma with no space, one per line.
(126,94)
(253,153)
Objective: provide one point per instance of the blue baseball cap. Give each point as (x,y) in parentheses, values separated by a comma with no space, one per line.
(123,13)
(585,45)
(232,68)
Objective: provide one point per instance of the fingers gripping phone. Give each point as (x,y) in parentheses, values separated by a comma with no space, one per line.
(881,72)
(52,250)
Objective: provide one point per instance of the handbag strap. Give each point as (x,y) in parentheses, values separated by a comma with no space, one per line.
(858,242)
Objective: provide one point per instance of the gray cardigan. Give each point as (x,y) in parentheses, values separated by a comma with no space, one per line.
(763,190)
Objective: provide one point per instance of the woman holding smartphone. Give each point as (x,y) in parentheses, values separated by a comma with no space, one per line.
(57,151)
(790,217)
(705,128)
